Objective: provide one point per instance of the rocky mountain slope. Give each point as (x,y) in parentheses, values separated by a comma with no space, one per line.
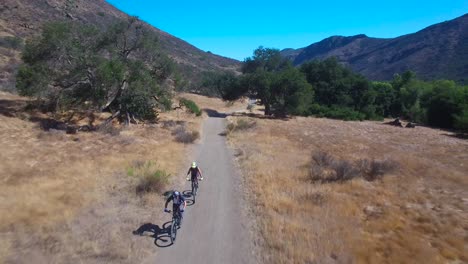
(438,51)
(24,19)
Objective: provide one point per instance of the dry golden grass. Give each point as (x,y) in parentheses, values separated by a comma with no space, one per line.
(215,103)
(9,59)
(414,215)
(68,198)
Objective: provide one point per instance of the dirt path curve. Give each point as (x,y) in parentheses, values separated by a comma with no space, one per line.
(214,228)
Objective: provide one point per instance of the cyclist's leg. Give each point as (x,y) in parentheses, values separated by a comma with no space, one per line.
(179,208)
(174,210)
(195,181)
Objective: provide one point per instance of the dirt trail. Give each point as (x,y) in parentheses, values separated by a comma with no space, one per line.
(215,228)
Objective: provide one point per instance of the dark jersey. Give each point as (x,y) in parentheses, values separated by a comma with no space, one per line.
(193,172)
(176,200)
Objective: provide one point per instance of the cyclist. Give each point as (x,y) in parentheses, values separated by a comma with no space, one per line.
(178,203)
(195,172)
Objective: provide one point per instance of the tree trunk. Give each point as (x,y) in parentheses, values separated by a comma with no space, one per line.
(267,108)
(117,95)
(127,120)
(108,120)
(132,117)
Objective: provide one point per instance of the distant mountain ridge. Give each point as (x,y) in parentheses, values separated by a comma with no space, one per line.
(436,52)
(24,19)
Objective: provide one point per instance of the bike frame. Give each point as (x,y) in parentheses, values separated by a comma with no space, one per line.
(175,224)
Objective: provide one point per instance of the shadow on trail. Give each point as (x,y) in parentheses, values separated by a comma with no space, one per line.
(188,197)
(214,113)
(161,236)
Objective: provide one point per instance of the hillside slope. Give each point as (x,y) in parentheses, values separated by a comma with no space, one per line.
(24,19)
(438,51)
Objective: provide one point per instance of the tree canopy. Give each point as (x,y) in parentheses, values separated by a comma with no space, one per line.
(76,66)
(329,89)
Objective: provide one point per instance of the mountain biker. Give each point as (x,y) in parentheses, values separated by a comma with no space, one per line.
(178,203)
(195,172)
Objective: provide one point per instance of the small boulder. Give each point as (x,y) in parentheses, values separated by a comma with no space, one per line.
(395,122)
(410,125)
(70,130)
(372,211)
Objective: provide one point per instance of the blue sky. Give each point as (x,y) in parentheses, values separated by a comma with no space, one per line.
(235,28)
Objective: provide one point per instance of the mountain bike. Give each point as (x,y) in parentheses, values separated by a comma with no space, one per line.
(175,224)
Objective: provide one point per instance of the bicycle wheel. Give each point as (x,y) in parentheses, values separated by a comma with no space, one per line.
(194,191)
(173,229)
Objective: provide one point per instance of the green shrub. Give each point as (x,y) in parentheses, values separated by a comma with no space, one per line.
(109,128)
(336,112)
(461,120)
(11,42)
(191,105)
(243,124)
(374,169)
(230,127)
(370,113)
(344,114)
(322,158)
(325,168)
(150,177)
(343,171)
(154,182)
(240,124)
(184,136)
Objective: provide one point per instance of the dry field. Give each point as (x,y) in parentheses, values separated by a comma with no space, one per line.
(416,214)
(216,104)
(69,199)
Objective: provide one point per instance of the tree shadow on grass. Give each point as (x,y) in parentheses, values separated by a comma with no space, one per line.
(15,108)
(457,135)
(214,113)
(162,237)
(261,116)
(10,108)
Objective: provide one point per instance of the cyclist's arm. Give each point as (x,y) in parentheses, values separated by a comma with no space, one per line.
(199,171)
(188,171)
(167,202)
